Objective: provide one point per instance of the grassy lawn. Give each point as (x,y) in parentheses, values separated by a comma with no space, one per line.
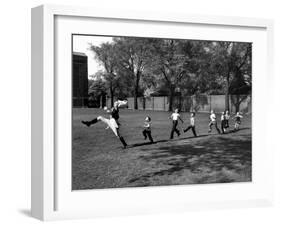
(98,160)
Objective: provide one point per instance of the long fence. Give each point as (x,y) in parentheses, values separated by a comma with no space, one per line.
(197,103)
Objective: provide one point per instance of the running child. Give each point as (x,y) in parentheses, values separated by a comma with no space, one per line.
(147,129)
(237,118)
(213,121)
(192,124)
(175,117)
(112,122)
(223,122)
(227,117)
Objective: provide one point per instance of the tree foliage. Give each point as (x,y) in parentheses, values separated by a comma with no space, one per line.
(134,65)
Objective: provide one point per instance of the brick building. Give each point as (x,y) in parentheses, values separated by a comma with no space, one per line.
(79,80)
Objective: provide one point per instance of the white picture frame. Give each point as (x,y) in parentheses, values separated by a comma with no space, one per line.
(47,167)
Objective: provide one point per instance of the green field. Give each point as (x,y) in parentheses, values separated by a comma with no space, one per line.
(99,161)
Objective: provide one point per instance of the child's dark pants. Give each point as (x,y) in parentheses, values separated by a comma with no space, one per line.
(193,130)
(223,125)
(174,129)
(147,133)
(216,126)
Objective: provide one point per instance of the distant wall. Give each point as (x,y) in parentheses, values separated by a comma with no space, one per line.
(197,103)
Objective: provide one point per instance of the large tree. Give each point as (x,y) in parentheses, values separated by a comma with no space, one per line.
(229,61)
(168,62)
(180,62)
(240,88)
(106,54)
(133,57)
(97,89)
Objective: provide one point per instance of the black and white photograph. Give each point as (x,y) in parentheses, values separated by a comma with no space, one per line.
(159,111)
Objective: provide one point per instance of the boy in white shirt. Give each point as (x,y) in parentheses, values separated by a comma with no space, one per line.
(213,121)
(192,124)
(175,117)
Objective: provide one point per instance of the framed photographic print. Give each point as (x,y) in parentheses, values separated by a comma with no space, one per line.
(141,112)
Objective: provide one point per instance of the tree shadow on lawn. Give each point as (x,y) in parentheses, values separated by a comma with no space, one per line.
(182,138)
(214,154)
(162,141)
(237,131)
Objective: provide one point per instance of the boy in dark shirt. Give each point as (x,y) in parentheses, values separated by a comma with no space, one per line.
(147,129)
(237,118)
(112,122)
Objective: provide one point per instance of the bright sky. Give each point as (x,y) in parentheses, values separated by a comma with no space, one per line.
(82,43)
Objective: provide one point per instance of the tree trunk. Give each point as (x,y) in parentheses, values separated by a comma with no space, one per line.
(227,93)
(136,98)
(180,103)
(237,104)
(136,92)
(171,98)
(111,95)
(100,101)
(143,103)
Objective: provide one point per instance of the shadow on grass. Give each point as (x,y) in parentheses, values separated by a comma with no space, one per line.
(183,138)
(236,131)
(213,154)
(141,144)
(165,140)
